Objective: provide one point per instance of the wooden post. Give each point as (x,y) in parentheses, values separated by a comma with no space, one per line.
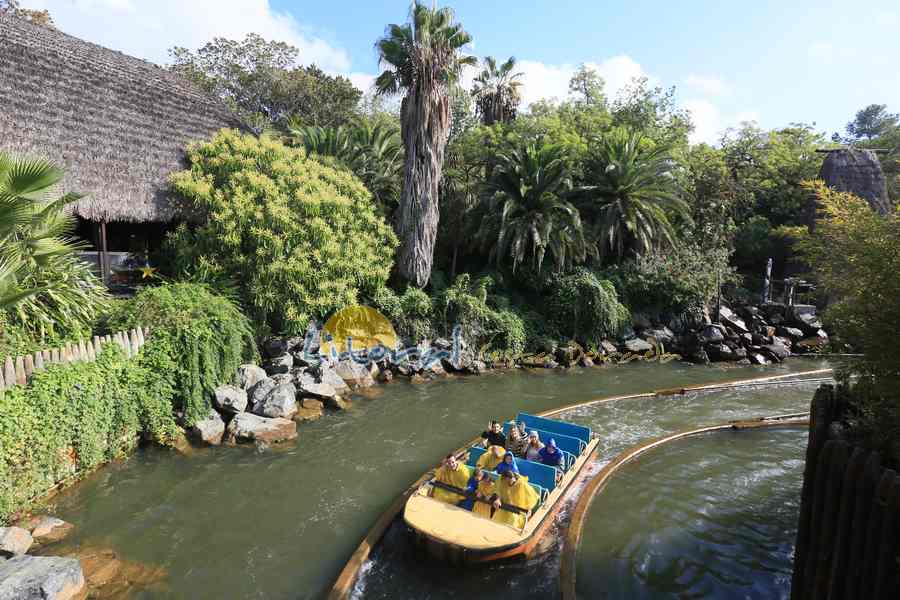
(82,350)
(886,571)
(839,562)
(46,355)
(830,514)
(135,345)
(126,345)
(20,371)
(39,361)
(865,490)
(104,254)
(2,381)
(873,536)
(767,283)
(29,366)
(140,334)
(55,356)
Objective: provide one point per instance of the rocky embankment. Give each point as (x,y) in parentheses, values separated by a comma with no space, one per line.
(24,576)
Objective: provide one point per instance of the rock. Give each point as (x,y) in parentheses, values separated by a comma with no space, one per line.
(608,347)
(743,362)
(442,344)
(641,321)
(776,351)
(14,540)
(637,345)
(274,346)
(336,403)
(720,352)
(791,333)
(663,335)
(329,376)
(354,374)
(478,367)
(585,361)
(50,529)
(700,357)
(279,364)
(284,379)
(713,334)
(757,358)
(40,578)
(385,376)
(809,324)
(259,391)
(307,386)
(733,321)
(230,399)
(247,427)
(312,403)
(417,379)
(280,402)
(739,354)
(308,415)
(812,344)
(746,339)
(434,369)
(249,375)
(210,430)
(567,355)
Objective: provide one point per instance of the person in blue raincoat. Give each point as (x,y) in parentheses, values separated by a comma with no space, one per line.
(507,464)
(551,455)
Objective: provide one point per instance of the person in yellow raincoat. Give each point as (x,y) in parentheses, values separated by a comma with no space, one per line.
(490,459)
(486,491)
(454,473)
(513,490)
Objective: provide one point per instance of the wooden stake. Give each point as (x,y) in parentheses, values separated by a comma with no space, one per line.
(20,371)
(9,372)
(55,356)
(39,361)
(29,366)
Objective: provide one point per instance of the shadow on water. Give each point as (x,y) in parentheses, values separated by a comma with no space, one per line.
(235,523)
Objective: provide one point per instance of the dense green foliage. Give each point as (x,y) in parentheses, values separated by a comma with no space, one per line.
(497,91)
(299,239)
(262,82)
(72,418)
(204,334)
(587,307)
(855,255)
(45,289)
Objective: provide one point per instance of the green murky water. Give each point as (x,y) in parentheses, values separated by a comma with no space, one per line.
(235,523)
(707,517)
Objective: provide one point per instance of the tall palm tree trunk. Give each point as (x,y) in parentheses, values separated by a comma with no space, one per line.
(425,119)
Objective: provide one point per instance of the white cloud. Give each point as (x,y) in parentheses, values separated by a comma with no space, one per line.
(828,52)
(710,122)
(363,81)
(147,28)
(710,86)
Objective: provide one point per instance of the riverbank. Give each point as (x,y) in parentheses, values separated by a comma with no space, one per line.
(284,520)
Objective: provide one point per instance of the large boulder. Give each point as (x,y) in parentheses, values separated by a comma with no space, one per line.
(48,530)
(328,375)
(663,335)
(637,345)
(776,351)
(607,347)
(720,352)
(247,427)
(249,375)
(14,540)
(274,346)
(730,319)
(40,578)
(210,430)
(280,402)
(809,324)
(229,399)
(259,391)
(279,364)
(307,386)
(712,334)
(354,374)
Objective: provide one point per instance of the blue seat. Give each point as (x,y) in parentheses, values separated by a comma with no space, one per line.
(563,442)
(556,427)
(537,473)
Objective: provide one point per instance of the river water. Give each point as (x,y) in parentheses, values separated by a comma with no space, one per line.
(237,523)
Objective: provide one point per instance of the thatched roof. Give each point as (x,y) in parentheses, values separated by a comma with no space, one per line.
(859,172)
(118,125)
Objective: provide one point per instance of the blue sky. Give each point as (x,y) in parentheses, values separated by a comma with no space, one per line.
(772,62)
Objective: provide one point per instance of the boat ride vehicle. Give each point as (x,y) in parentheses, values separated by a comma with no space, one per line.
(450,530)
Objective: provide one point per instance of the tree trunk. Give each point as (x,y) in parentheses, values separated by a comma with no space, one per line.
(425,120)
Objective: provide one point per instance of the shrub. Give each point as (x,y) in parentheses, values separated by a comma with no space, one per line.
(855,256)
(491,330)
(411,314)
(300,239)
(71,418)
(587,306)
(679,280)
(204,334)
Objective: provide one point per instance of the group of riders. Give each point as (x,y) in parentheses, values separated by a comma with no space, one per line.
(510,499)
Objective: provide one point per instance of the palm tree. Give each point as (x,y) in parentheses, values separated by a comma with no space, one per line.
(43,283)
(496,91)
(372,152)
(631,195)
(527,215)
(422,59)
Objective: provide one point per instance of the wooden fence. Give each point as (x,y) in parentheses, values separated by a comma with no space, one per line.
(20,369)
(848,535)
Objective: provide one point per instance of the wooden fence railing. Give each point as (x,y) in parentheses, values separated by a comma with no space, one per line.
(20,369)
(848,536)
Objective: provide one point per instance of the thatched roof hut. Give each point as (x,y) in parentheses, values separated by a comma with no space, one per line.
(118,125)
(859,172)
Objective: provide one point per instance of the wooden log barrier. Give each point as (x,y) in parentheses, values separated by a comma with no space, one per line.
(840,561)
(886,577)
